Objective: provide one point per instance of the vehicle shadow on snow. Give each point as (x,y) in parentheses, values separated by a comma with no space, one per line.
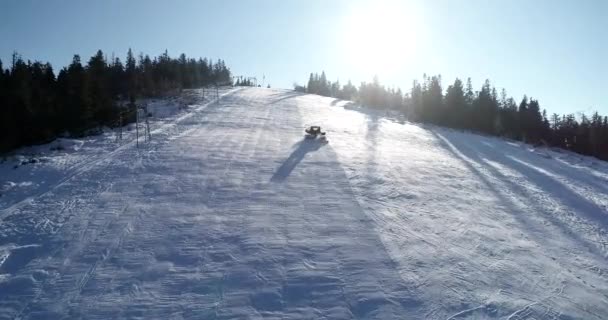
(301,148)
(480,154)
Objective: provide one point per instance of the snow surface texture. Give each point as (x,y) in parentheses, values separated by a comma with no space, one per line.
(228,213)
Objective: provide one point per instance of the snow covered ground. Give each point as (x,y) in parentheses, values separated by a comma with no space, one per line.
(33,170)
(229,214)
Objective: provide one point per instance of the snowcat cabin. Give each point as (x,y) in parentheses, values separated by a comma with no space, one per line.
(314,130)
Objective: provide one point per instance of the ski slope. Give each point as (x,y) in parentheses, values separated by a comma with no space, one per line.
(229,214)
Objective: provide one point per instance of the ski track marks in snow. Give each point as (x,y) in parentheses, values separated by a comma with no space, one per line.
(481,228)
(87,164)
(230,214)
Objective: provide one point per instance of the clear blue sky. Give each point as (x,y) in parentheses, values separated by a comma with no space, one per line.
(555,51)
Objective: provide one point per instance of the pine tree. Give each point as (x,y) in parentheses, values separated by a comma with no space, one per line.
(20,86)
(149,81)
(534,122)
(485,110)
(5,116)
(118,83)
(73,97)
(131,74)
(595,135)
(455,105)
(335,89)
(469,94)
(432,100)
(324,87)
(416,101)
(204,74)
(524,118)
(101,105)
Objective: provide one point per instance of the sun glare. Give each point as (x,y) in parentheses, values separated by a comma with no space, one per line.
(379,37)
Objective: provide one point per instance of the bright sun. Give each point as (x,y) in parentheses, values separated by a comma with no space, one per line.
(380,36)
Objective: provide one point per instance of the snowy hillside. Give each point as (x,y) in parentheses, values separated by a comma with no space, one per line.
(229,214)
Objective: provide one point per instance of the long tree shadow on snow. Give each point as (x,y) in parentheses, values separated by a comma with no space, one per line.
(479,154)
(285,96)
(570,173)
(301,148)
